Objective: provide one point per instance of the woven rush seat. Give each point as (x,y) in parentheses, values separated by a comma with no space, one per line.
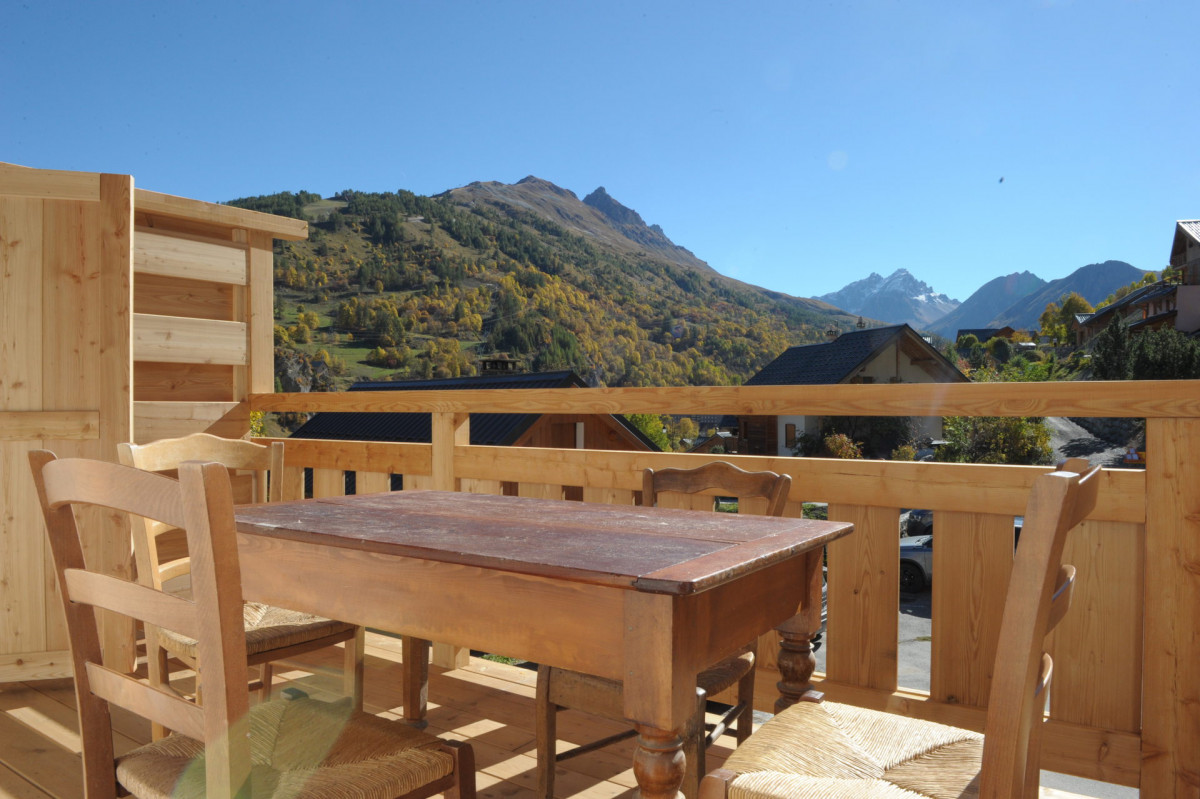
(300,749)
(267,628)
(828,750)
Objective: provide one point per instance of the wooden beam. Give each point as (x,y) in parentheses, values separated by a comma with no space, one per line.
(1121,398)
(180,339)
(281,227)
(189,258)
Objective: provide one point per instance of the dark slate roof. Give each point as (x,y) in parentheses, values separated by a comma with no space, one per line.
(1136,297)
(487,429)
(831,363)
(984,334)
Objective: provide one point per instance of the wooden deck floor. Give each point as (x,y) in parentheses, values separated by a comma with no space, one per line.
(489,704)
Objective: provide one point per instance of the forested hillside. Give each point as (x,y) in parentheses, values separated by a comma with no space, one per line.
(396,285)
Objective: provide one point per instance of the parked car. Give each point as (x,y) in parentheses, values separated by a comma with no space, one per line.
(916,563)
(916,555)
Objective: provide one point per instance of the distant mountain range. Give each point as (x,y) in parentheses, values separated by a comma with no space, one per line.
(1015,300)
(900,297)
(399,285)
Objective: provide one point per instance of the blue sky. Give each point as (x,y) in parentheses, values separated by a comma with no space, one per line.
(799,145)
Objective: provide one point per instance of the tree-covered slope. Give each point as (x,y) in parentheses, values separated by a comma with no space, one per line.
(400,285)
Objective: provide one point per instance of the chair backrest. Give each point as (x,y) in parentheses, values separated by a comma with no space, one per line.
(722,477)
(250,462)
(201,503)
(1039,593)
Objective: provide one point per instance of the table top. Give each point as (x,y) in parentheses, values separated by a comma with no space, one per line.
(658,550)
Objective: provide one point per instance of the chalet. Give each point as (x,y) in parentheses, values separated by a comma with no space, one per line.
(895,354)
(1172,304)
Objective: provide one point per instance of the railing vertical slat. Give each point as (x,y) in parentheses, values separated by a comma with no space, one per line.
(293,482)
(608,496)
(540,490)
(372,482)
(1097,648)
(864,597)
(475,486)
(972,562)
(329,482)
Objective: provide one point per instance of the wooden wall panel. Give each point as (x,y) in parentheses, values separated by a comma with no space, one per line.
(180,297)
(29,615)
(864,597)
(182,382)
(1097,648)
(20,304)
(972,563)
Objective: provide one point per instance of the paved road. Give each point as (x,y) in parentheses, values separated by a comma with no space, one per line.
(915,635)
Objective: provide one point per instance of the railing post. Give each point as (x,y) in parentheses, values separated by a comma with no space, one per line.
(449,430)
(1171,673)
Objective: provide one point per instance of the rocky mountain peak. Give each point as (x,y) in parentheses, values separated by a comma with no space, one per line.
(603,202)
(899,297)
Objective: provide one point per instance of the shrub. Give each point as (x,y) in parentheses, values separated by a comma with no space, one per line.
(839,445)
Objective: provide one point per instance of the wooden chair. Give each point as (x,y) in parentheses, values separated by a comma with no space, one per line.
(835,751)
(560,688)
(223,748)
(271,633)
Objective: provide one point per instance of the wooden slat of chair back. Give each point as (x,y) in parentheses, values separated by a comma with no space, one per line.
(201,503)
(156,550)
(1038,595)
(722,477)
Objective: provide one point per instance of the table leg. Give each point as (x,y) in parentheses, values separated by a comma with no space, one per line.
(658,763)
(796,661)
(415,687)
(796,666)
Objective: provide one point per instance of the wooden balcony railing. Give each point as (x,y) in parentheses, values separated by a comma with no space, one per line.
(1125,703)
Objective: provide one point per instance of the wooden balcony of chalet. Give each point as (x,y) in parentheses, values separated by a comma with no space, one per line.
(155,315)
(1125,704)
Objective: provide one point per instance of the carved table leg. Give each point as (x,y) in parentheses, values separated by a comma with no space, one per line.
(796,660)
(796,666)
(415,680)
(658,764)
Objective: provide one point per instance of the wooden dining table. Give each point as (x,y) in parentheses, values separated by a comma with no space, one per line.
(650,596)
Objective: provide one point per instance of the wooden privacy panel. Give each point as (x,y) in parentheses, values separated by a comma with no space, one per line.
(68,382)
(65,303)
(972,562)
(203,322)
